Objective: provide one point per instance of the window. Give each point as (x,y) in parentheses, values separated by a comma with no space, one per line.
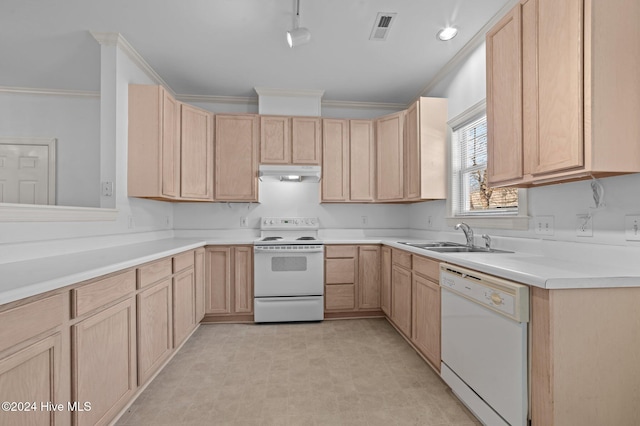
(470,195)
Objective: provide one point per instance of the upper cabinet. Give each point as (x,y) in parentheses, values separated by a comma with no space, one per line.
(236,157)
(362,161)
(425,161)
(390,157)
(170,147)
(154,145)
(290,140)
(562,92)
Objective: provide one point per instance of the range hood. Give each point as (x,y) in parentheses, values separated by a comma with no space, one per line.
(290,173)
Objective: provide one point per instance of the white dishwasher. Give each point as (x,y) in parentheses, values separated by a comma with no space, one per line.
(484,344)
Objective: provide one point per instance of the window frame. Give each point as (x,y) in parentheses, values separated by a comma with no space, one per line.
(509,219)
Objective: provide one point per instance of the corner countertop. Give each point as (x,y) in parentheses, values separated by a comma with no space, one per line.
(27,278)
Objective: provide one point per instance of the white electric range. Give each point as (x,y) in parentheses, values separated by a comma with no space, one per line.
(288,270)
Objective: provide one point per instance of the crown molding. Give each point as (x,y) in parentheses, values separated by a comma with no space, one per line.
(290,93)
(466,50)
(363,105)
(116,39)
(52,92)
(241,100)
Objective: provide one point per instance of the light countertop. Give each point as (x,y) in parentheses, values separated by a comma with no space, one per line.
(27,278)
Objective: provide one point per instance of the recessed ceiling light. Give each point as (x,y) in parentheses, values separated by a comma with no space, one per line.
(446,34)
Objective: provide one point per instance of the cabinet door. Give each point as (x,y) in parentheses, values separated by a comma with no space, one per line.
(335,160)
(243,280)
(33,374)
(362,158)
(199,275)
(196,159)
(306,139)
(275,140)
(390,157)
(385,281)
(218,280)
(559,145)
(236,148)
(369,277)
(184,306)
(504,99)
(401,299)
(154,328)
(170,146)
(426,318)
(412,152)
(104,363)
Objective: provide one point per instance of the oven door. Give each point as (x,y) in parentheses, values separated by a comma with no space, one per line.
(288,271)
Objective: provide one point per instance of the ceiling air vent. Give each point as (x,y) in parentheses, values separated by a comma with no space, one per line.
(382,25)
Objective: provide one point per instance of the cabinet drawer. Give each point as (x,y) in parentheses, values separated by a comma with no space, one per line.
(26,321)
(401,258)
(183,261)
(340,297)
(91,296)
(148,274)
(340,271)
(427,267)
(340,251)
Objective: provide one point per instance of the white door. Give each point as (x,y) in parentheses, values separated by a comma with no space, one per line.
(27,171)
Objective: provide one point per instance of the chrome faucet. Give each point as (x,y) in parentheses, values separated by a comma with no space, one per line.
(468,232)
(487,241)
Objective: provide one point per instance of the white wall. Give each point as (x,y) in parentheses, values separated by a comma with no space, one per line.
(152,217)
(74,121)
(466,86)
(289,199)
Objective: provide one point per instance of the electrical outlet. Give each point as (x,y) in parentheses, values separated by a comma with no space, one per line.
(632,228)
(107,189)
(167,222)
(543,225)
(243,222)
(365,220)
(584,225)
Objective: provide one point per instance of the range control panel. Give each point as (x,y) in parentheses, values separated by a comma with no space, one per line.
(284,223)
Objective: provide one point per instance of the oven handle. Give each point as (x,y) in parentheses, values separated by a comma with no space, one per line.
(267,249)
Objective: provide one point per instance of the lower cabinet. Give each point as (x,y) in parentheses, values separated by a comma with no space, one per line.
(104,362)
(426,318)
(199,276)
(154,328)
(352,278)
(401,298)
(229,281)
(385,280)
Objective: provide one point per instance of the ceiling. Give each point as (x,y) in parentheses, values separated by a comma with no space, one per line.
(228,47)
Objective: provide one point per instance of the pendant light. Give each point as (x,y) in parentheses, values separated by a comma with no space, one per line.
(298,35)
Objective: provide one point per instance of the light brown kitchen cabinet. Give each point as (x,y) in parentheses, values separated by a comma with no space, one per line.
(196,153)
(425,325)
(577,117)
(104,362)
(335,160)
(401,291)
(390,157)
(153,143)
(385,280)
(199,276)
(155,330)
(352,278)
(229,281)
(236,157)
(275,139)
(585,346)
(34,365)
(425,150)
(362,161)
(306,136)
(184,306)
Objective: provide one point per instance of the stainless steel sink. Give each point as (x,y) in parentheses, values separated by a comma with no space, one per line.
(466,249)
(431,244)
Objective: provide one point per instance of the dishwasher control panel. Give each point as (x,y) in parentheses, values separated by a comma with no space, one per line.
(505,297)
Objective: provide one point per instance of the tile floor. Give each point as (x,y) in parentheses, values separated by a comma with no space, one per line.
(351,372)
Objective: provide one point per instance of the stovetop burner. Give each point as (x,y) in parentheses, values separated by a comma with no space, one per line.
(306,238)
(271,238)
